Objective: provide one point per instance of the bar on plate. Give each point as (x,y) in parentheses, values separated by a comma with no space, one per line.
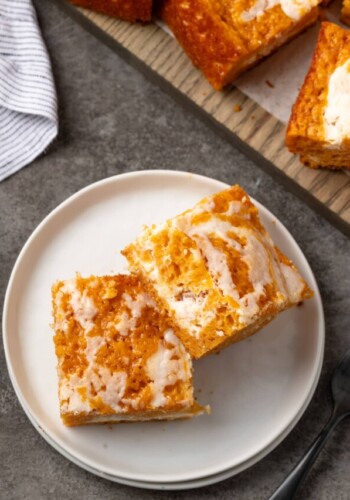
(118,358)
(216,271)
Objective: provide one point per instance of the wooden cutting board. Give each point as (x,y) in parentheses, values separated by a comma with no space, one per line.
(253,130)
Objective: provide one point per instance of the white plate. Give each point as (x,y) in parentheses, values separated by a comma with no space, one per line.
(257,389)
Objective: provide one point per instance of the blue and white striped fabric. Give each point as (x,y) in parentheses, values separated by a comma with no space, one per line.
(28,104)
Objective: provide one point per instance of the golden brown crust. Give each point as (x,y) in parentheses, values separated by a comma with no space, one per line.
(129,10)
(219,42)
(206,39)
(305,132)
(73,419)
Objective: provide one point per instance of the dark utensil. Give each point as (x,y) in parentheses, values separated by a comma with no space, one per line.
(340,386)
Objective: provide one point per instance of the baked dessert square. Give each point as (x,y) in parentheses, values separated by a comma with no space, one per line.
(319,126)
(216,271)
(128,10)
(345,12)
(118,359)
(225,37)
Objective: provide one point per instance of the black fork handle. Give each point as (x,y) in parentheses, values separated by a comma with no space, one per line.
(290,485)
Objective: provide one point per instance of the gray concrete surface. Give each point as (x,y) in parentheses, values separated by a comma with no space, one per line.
(112,120)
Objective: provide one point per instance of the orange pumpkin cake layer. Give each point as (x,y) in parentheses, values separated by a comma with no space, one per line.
(345,12)
(319,127)
(225,37)
(216,271)
(118,359)
(129,10)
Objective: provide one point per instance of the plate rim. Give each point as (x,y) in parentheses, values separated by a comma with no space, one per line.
(131,478)
(199,482)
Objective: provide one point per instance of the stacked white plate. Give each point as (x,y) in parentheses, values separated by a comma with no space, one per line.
(257,389)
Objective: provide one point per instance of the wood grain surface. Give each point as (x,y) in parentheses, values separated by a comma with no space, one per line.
(252,129)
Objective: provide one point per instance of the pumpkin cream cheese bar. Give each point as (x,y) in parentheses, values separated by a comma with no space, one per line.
(225,37)
(319,127)
(128,10)
(216,271)
(118,359)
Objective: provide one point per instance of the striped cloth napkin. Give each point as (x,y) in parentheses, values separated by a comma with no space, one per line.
(28,105)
